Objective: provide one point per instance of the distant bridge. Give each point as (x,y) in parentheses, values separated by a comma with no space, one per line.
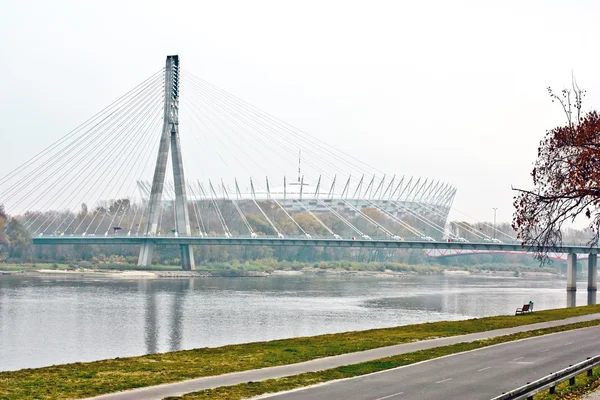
(454,252)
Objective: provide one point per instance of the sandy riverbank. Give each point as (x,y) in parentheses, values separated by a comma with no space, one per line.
(133,274)
(206,271)
(137,274)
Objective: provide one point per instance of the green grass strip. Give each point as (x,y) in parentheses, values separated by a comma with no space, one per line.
(583,385)
(79,380)
(250,389)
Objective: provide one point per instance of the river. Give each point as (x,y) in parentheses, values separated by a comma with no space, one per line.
(55,320)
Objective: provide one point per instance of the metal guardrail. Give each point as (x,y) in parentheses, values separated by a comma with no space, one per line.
(550,381)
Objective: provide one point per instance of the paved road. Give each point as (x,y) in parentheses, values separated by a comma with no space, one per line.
(479,374)
(192,385)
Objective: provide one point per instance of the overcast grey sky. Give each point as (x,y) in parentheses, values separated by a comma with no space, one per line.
(453,90)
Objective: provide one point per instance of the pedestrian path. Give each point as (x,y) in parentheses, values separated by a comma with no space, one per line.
(592,396)
(193,385)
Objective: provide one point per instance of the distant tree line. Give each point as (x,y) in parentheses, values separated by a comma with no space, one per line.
(15,241)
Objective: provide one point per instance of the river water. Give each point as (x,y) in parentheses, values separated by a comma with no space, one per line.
(55,320)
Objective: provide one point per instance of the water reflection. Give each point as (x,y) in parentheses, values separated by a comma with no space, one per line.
(181,287)
(591,300)
(176,291)
(150,317)
(571,298)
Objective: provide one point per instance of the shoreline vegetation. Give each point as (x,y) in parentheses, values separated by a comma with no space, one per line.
(118,268)
(88,379)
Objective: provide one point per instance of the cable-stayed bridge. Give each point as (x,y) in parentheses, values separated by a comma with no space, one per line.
(250,179)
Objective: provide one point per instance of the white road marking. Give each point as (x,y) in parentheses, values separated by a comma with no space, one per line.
(483,369)
(518,358)
(444,380)
(543,351)
(391,395)
(566,344)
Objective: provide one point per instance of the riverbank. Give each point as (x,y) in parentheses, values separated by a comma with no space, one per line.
(94,378)
(137,274)
(270,267)
(99,273)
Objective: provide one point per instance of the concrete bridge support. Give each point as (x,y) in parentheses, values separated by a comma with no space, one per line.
(169,139)
(146,252)
(572,272)
(592,272)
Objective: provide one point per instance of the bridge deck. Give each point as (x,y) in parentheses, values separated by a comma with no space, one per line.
(321,242)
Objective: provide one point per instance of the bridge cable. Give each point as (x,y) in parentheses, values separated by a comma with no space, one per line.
(46,167)
(201,227)
(104,178)
(341,218)
(212,102)
(213,196)
(242,216)
(75,130)
(138,161)
(421,188)
(398,220)
(79,172)
(361,213)
(369,219)
(328,150)
(149,127)
(109,150)
(318,220)
(218,153)
(418,191)
(61,178)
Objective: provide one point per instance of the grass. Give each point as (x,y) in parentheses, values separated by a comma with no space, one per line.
(88,379)
(250,389)
(583,385)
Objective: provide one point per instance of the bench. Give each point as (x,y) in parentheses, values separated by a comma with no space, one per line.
(523,309)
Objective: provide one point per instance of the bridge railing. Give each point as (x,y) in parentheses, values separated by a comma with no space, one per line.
(287,236)
(549,382)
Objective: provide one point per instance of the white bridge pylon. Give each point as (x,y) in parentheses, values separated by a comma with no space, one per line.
(169,138)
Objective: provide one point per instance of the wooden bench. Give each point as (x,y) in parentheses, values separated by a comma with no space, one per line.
(523,309)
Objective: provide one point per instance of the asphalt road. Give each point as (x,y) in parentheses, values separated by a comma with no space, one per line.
(478,374)
(192,385)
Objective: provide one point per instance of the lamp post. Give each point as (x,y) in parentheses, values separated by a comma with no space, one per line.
(495,209)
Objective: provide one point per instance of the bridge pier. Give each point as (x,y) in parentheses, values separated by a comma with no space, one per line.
(185,253)
(146,253)
(571,272)
(169,139)
(187,257)
(592,273)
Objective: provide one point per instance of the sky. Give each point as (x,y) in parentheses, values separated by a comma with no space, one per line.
(454,91)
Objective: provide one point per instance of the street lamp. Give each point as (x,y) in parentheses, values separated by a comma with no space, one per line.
(495,209)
